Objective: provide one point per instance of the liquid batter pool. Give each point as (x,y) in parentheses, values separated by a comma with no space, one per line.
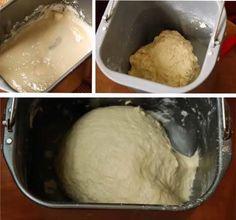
(44,49)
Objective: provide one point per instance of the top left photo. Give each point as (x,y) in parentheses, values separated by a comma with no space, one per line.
(46,46)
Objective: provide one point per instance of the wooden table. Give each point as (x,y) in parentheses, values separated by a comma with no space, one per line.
(221,206)
(221,80)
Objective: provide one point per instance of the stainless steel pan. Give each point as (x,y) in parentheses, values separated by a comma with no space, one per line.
(16,11)
(128,25)
(35,127)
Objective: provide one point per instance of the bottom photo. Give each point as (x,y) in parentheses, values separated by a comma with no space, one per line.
(130,158)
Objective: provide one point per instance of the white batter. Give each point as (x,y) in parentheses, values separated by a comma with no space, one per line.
(44,49)
(121,155)
(169,60)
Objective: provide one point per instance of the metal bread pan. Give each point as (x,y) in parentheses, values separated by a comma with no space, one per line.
(128,25)
(17,10)
(35,128)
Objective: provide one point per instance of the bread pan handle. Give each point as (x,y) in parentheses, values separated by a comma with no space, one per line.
(8,140)
(227,132)
(108,15)
(10,114)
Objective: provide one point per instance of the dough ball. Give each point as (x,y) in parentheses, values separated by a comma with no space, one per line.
(169,60)
(121,155)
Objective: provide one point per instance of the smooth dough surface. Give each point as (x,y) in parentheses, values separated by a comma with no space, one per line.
(169,60)
(42,50)
(119,154)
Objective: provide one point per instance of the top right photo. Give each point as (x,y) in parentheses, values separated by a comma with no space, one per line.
(166,47)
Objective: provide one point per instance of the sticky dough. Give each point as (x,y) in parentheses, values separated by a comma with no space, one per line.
(42,50)
(169,60)
(121,155)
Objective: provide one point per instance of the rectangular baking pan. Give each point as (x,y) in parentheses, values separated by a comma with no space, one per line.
(35,128)
(15,12)
(133,24)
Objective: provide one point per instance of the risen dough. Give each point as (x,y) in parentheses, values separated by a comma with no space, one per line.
(169,60)
(121,155)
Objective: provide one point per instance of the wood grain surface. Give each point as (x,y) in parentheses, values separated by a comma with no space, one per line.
(221,80)
(2,2)
(220,206)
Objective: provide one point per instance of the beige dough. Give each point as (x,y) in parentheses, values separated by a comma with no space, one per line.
(169,60)
(121,155)
(44,49)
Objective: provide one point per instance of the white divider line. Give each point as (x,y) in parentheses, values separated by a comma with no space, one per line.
(116,95)
(94,47)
